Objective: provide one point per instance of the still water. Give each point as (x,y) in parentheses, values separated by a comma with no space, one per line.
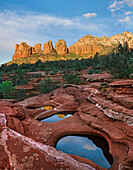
(83,147)
(56,118)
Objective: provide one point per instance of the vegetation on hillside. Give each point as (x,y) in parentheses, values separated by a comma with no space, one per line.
(47,85)
(119,63)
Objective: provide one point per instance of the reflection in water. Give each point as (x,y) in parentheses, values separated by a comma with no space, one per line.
(56,118)
(61,116)
(45,108)
(83,147)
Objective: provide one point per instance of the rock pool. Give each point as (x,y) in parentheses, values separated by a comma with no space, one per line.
(83,147)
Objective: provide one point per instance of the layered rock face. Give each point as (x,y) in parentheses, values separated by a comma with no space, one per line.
(22,50)
(61,47)
(86,45)
(93,45)
(48,47)
(27,143)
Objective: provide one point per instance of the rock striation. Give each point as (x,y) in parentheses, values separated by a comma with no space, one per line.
(61,47)
(27,143)
(92,45)
(87,45)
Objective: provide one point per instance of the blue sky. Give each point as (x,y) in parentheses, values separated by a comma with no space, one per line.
(34,21)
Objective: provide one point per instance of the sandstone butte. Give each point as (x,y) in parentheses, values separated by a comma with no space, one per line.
(29,144)
(87,45)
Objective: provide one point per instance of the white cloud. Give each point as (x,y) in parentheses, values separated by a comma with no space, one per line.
(129,2)
(16,27)
(116,5)
(127,19)
(89,15)
(90,147)
(128,13)
(115,9)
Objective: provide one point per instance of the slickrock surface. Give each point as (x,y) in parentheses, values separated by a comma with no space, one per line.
(27,143)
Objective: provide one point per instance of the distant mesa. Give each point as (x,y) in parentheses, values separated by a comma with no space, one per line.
(87,45)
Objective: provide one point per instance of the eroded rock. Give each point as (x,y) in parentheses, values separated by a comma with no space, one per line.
(61,47)
(96,114)
(22,50)
(48,47)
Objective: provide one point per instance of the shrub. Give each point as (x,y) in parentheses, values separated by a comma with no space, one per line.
(21,95)
(37,75)
(7,89)
(87,80)
(47,85)
(92,71)
(72,78)
(120,62)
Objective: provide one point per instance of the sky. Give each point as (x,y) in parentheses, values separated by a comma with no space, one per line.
(37,21)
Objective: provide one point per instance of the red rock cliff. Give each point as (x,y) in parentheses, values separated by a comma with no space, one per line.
(61,47)
(48,47)
(86,45)
(22,50)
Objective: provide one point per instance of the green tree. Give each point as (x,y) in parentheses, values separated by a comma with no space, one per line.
(119,63)
(21,95)
(47,85)
(7,89)
(72,78)
(0,84)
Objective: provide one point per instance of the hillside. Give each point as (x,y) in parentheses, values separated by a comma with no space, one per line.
(86,47)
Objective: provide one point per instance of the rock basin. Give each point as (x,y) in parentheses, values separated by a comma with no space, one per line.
(84,147)
(56,118)
(27,143)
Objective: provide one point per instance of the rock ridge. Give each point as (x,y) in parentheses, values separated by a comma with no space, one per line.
(87,45)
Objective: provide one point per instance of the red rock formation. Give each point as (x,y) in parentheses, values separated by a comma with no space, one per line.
(87,45)
(48,47)
(84,46)
(20,152)
(61,47)
(93,45)
(22,50)
(37,48)
(96,113)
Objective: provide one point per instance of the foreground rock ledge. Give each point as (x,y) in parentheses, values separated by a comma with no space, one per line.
(26,143)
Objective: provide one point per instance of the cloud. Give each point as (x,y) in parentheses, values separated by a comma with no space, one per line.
(115,9)
(129,2)
(128,13)
(127,19)
(31,27)
(89,15)
(89,147)
(116,5)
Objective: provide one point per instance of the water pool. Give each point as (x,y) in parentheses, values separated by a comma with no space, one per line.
(83,147)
